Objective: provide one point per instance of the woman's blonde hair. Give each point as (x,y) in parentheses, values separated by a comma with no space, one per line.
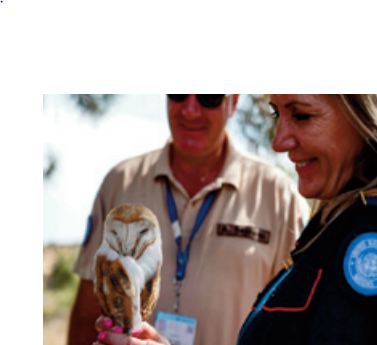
(361,111)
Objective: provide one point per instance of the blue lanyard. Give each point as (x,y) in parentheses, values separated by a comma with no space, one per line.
(183,255)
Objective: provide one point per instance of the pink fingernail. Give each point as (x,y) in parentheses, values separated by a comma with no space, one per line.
(117,329)
(136,332)
(101,336)
(107,323)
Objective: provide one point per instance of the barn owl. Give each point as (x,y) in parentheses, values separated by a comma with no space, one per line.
(127,265)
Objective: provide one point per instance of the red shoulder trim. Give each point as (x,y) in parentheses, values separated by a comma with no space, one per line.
(298,309)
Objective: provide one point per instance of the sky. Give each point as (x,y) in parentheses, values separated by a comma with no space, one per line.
(87,149)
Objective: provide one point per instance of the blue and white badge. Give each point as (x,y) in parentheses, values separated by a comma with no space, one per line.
(360,264)
(179,329)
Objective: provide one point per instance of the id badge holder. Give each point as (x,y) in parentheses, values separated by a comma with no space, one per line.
(179,329)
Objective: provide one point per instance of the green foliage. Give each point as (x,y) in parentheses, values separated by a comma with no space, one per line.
(62,274)
(60,283)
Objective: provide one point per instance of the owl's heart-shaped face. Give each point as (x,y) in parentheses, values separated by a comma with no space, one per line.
(128,265)
(130,239)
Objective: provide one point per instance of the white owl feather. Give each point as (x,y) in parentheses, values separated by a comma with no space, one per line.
(128,265)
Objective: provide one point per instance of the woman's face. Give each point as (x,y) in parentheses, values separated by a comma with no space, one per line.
(320,141)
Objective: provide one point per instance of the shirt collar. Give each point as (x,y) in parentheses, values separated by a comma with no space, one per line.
(162,167)
(230,174)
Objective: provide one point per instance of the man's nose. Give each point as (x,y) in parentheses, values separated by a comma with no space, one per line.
(191,107)
(284,138)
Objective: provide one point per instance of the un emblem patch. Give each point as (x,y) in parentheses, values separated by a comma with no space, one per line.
(360,264)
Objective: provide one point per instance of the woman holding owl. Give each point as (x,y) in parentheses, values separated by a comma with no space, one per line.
(327,291)
(109,334)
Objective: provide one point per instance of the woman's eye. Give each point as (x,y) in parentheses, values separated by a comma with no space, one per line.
(272,111)
(301,117)
(274,115)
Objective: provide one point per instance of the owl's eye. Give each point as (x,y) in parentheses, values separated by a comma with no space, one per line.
(144,231)
(113,232)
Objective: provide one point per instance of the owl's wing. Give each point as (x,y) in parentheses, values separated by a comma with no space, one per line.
(150,262)
(116,292)
(149,296)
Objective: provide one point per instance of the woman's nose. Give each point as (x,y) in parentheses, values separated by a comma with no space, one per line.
(284,138)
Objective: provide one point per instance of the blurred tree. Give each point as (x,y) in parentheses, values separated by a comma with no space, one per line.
(95,106)
(255,123)
(62,273)
(252,113)
(50,165)
(257,126)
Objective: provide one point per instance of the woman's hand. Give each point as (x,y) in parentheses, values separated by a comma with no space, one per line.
(146,335)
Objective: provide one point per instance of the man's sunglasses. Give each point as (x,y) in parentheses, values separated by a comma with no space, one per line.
(207,101)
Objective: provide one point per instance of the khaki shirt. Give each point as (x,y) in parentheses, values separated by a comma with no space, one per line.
(241,245)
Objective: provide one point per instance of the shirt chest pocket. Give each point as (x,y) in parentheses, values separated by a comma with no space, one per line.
(245,230)
(296,293)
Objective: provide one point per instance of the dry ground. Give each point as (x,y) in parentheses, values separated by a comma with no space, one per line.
(58,299)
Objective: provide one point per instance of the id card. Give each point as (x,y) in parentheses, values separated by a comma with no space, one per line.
(179,329)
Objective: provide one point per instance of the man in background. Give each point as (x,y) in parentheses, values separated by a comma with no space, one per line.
(249,219)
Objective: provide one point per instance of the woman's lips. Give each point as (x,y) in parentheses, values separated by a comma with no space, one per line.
(304,167)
